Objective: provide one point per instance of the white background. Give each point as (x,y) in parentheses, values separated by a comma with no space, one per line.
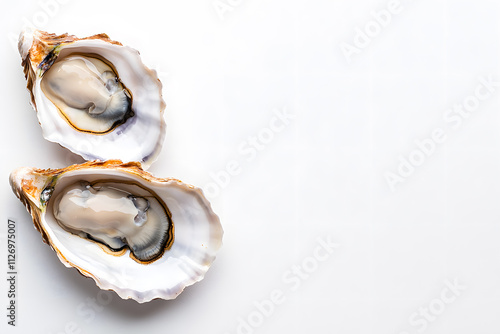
(322,176)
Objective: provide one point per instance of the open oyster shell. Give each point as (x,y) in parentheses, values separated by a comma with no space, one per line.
(94,96)
(193,231)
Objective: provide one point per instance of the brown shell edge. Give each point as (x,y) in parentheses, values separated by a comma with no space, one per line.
(44,43)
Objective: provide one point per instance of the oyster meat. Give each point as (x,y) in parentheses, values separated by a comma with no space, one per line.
(138,235)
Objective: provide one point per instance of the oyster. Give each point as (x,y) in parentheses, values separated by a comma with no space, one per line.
(138,235)
(94,96)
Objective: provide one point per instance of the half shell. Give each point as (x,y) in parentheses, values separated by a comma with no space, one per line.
(94,96)
(195,234)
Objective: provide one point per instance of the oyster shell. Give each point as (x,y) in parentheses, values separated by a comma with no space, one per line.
(94,96)
(138,235)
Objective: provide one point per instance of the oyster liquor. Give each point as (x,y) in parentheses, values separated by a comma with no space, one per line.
(11,273)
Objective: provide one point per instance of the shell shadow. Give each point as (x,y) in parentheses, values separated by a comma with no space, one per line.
(62,157)
(85,288)
(130,309)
